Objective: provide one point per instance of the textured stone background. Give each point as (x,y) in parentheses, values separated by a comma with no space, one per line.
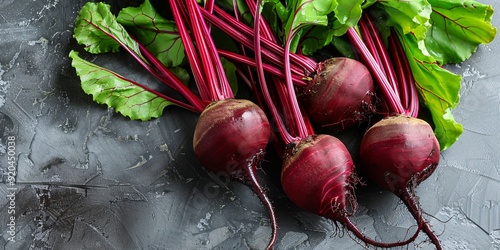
(89,178)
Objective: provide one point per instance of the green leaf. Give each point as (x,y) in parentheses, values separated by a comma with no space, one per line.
(125,96)
(347,14)
(411,16)
(278,8)
(458,28)
(274,13)
(231,75)
(313,24)
(159,35)
(316,38)
(182,74)
(303,13)
(368,3)
(438,88)
(344,47)
(97,29)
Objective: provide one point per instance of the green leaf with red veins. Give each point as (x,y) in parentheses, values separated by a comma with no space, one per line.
(458,28)
(439,90)
(96,28)
(125,96)
(159,35)
(411,16)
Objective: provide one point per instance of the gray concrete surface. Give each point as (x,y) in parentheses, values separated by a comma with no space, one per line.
(88,178)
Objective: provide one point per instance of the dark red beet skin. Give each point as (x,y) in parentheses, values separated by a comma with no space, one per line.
(398,153)
(399,150)
(316,176)
(341,94)
(229,133)
(230,137)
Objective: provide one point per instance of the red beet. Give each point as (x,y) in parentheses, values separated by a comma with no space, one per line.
(230,137)
(230,133)
(340,94)
(318,176)
(398,153)
(404,149)
(318,171)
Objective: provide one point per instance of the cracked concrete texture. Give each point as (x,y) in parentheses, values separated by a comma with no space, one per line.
(89,178)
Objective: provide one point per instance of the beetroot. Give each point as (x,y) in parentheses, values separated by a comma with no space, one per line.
(318,170)
(398,153)
(318,175)
(230,133)
(231,136)
(340,94)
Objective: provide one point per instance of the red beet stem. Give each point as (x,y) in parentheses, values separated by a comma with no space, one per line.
(379,51)
(285,134)
(275,71)
(189,49)
(215,75)
(170,79)
(389,94)
(408,87)
(244,35)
